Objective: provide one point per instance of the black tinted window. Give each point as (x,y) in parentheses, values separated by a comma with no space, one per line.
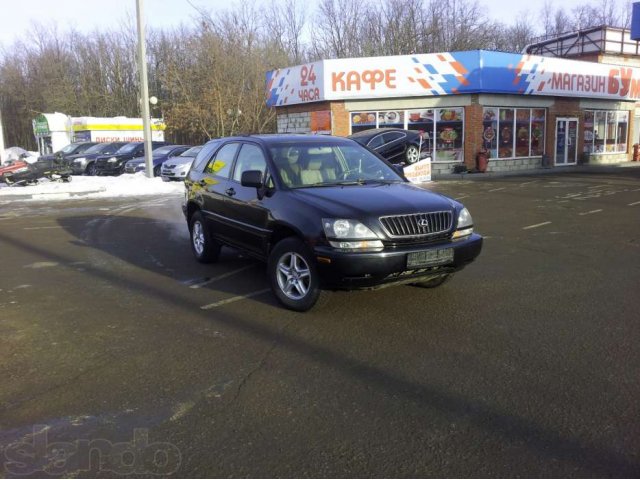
(376,142)
(220,166)
(391,136)
(204,156)
(249,158)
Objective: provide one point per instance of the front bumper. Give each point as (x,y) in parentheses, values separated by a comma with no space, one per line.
(136,169)
(109,169)
(353,271)
(174,173)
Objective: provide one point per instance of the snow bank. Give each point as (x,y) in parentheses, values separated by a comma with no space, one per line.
(93,187)
(13,153)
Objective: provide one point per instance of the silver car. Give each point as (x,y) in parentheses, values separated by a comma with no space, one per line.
(176,168)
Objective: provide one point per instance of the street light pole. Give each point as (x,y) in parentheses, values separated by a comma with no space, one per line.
(144,91)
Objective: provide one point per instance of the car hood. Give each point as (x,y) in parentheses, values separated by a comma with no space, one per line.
(92,156)
(179,160)
(358,201)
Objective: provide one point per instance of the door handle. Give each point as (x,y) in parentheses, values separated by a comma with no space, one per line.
(230,191)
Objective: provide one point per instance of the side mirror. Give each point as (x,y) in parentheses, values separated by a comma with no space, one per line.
(251,178)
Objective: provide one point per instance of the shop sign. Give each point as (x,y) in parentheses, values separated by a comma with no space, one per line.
(419,172)
(449,74)
(41,126)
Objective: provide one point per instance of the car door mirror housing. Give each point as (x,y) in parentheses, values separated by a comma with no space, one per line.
(251,178)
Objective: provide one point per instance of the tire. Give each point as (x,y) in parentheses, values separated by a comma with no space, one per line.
(156,171)
(434,282)
(412,155)
(205,249)
(91,169)
(293,275)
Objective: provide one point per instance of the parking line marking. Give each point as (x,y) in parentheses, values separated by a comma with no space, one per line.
(634,203)
(536,225)
(220,277)
(590,212)
(234,299)
(528,183)
(460,198)
(497,189)
(40,228)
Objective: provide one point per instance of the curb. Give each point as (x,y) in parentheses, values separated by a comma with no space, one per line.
(48,195)
(615,168)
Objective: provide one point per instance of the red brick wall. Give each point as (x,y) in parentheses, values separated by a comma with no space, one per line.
(472,133)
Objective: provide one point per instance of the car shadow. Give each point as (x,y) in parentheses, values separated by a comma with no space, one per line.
(133,241)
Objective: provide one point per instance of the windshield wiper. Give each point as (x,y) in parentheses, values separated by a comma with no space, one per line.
(366,181)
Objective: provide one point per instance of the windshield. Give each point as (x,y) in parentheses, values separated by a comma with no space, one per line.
(192,152)
(69,148)
(99,148)
(327,164)
(159,152)
(128,148)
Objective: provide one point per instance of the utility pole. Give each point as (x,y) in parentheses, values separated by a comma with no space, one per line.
(144,90)
(2,140)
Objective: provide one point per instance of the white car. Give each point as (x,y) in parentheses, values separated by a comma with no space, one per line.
(176,168)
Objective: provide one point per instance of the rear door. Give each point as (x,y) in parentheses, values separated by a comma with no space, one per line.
(394,145)
(248,216)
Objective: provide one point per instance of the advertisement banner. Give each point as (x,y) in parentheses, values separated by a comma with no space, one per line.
(453,73)
(419,172)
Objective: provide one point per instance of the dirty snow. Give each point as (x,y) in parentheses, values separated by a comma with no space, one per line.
(81,187)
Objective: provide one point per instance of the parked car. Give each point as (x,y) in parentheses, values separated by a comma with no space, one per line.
(324,213)
(394,144)
(71,149)
(176,168)
(84,163)
(159,155)
(114,164)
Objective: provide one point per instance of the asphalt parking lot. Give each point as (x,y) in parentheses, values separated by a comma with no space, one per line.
(525,364)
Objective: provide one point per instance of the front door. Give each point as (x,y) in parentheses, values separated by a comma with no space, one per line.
(566,152)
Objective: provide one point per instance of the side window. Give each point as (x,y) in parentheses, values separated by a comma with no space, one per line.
(249,158)
(220,166)
(392,136)
(375,142)
(204,156)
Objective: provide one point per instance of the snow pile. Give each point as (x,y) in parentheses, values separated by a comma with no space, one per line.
(94,187)
(14,153)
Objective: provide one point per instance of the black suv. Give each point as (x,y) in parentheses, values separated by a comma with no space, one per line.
(325,213)
(113,164)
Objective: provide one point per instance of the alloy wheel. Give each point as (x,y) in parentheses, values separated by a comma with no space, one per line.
(294,276)
(197,237)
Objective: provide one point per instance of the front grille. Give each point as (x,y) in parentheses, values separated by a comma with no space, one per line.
(417,224)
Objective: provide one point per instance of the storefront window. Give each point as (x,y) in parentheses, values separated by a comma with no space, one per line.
(611,139)
(588,132)
(505,133)
(605,131)
(423,121)
(599,122)
(513,132)
(490,131)
(523,135)
(363,121)
(449,134)
(442,129)
(537,131)
(623,125)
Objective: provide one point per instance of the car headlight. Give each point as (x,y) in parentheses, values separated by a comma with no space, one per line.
(79,160)
(464,226)
(112,160)
(350,235)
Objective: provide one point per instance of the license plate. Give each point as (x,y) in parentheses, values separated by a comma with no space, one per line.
(429,258)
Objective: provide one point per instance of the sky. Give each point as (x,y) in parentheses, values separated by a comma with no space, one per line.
(17,16)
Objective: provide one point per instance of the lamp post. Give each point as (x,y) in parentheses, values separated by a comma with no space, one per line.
(144,91)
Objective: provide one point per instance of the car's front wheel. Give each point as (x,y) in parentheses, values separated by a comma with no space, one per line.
(205,249)
(91,169)
(412,155)
(434,282)
(293,275)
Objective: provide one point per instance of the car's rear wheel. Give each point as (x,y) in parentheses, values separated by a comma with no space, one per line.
(293,275)
(412,155)
(205,249)
(91,169)
(434,282)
